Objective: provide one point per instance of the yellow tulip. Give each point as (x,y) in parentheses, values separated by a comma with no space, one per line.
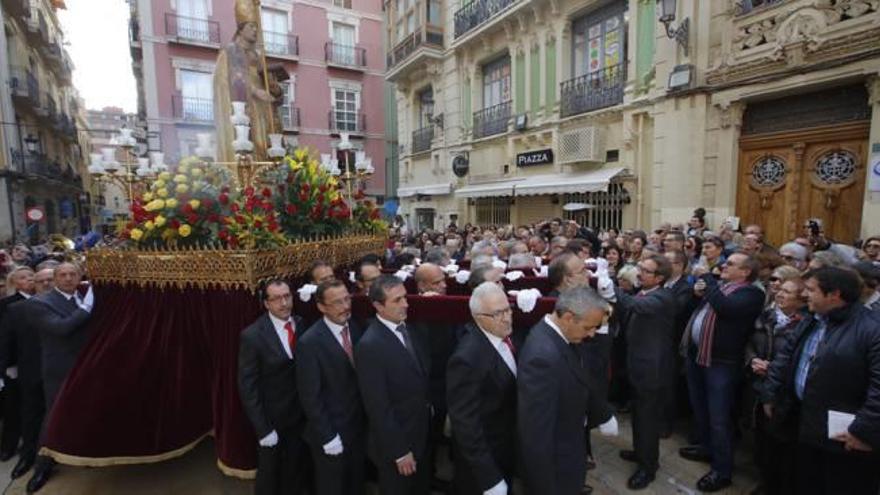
(163,193)
(180,178)
(136,234)
(171,203)
(300,154)
(181,188)
(159,184)
(165,176)
(159,221)
(156,204)
(149,225)
(184,230)
(194,204)
(148,196)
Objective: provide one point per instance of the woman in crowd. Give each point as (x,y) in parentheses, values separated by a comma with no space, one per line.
(780,275)
(775,444)
(693,247)
(712,258)
(636,244)
(613,254)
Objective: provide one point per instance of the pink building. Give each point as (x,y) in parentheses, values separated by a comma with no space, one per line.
(332,50)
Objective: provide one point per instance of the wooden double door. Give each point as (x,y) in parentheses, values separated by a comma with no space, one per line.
(788,177)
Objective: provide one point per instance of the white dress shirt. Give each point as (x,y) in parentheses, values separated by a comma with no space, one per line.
(393,327)
(554,327)
(336,330)
(66,295)
(26,295)
(282,332)
(502,349)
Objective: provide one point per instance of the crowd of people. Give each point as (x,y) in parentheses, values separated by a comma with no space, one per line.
(715,335)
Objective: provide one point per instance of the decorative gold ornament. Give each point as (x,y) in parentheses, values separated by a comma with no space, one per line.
(219,268)
(246,11)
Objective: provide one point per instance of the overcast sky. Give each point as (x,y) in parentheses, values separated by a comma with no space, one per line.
(96,32)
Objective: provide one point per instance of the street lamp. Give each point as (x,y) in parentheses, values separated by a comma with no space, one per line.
(667,16)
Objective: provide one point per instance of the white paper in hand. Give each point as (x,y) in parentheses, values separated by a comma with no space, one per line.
(838,423)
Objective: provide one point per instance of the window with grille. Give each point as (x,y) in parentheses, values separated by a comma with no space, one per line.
(493,211)
(345,108)
(287,105)
(496,82)
(606,210)
(599,40)
(275,31)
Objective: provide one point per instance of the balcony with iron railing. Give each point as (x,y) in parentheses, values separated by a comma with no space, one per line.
(290,118)
(350,122)
(281,45)
(599,89)
(345,56)
(52,53)
(192,110)
(38,28)
(492,120)
(477,13)
(191,30)
(422,139)
(24,87)
(429,37)
(65,69)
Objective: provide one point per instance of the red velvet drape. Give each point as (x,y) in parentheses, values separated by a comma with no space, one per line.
(159,372)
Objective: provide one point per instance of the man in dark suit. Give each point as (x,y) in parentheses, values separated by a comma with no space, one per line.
(328,392)
(682,291)
(21,280)
(392,371)
(715,341)
(268,388)
(650,332)
(481,393)
(60,316)
(553,398)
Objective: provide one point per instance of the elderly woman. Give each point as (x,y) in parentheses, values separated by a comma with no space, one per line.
(774,444)
(780,275)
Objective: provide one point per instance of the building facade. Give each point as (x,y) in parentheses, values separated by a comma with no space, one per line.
(332,51)
(43,184)
(519,110)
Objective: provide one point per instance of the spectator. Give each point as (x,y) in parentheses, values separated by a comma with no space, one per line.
(614,256)
(673,241)
(557,246)
(713,258)
(437,256)
(566,271)
(321,272)
(697,223)
(795,255)
(779,276)
(627,278)
(693,247)
(871,246)
(537,246)
(636,244)
(831,363)
(870,275)
(825,259)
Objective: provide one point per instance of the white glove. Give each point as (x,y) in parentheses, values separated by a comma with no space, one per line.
(306,291)
(498,489)
(497,263)
(409,268)
(12,372)
(609,428)
(450,269)
(418,262)
(88,301)
(514,275)
(526,299)
(544,271)
(269,440)
(462,276)
(402,274)
(601,265)
(352,277)
(333,447)
(539,261)
(605,287)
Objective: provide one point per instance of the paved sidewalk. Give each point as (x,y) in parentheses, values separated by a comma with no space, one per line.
(196,473)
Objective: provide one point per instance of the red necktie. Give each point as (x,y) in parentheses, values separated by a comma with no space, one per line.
(509,344)
(291,336)
(346,343)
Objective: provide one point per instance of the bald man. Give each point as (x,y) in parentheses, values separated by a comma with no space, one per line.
(430,280)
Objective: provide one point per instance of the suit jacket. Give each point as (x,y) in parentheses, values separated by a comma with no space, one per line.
(481,395)
(439,340)
(395,391)
(328,388)
(552,405)
(267,379)
(650,337)
(682,291)
(23,342)
(62,330)
(8,347)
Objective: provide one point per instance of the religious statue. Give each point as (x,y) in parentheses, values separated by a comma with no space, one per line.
(241,74)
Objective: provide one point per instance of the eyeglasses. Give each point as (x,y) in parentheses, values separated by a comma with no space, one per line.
(645,270)
(774,279)
(498,314)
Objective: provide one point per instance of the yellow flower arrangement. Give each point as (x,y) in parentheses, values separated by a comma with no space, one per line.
(194,203)
(184,230)
(136,234)
(159,221)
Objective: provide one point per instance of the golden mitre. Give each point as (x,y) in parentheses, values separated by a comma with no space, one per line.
(246,11)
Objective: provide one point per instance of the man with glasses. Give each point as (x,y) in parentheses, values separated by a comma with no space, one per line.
(481,393)
(328,392)
(650,334)
(795,255)
(673,241)
(715,339)
(268,388)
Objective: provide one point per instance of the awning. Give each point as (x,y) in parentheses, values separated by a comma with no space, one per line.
(427,190)
(596,180)
(488,189)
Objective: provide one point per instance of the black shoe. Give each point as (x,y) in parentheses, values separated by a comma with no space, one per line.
(712,482)
(695,453)
(6,455)
(629,455)
(640,480)
(23,466)
(40,477)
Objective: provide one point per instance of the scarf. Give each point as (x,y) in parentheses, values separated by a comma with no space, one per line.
(704,352)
